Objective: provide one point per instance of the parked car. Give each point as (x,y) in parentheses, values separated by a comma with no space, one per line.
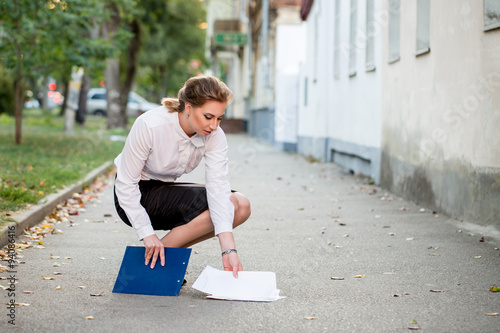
(97,104)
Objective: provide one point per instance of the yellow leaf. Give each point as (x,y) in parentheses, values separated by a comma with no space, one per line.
(359,276)
(89,318)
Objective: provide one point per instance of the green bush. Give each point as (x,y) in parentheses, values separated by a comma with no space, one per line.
(6,93)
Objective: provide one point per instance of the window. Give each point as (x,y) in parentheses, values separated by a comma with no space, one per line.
(370,36)
(99,96)
(423,22)
(305,90)
(352,34)
(394,26)
(336,42)
(491,14)
(316,45)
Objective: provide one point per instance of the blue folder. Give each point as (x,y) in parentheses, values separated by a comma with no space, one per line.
(136,278)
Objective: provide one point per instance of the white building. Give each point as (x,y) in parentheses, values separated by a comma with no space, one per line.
(340,108)
(441,106)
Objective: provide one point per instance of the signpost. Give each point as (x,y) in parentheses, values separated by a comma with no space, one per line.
(230,38)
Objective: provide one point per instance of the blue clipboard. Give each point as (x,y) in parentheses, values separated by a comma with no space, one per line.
(136,278)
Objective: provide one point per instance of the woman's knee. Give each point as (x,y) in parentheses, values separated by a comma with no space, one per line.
(242,208)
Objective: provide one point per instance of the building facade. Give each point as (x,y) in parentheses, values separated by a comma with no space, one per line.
(441,106)
(404,92)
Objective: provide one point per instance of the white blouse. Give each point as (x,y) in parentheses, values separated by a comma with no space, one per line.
(158,148)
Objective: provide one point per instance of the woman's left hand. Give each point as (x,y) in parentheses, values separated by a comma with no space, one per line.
(231,262)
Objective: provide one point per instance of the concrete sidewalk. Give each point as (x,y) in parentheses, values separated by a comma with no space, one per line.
(401,265)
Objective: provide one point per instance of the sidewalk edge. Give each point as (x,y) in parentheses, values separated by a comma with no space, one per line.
(35,214)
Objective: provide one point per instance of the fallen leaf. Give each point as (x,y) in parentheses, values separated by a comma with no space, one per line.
(436,291)
(101,294)
(359,276)
(19,304)
(310,318)
(67,258)
(482,239)
(493,314)
(414,328)
(89,318)
(57,273)
(54,257)
(108,215)
(56,264)
(82,287)
(495,289)
(48,278)
(477,257)
(58,287)
(336,278)
(28,292)
(411,238)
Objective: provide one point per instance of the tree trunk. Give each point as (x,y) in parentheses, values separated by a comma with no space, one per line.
(164,81)
(18,103)
(131,64)
(115,118)
(18,85)
(65,94)
(82,100)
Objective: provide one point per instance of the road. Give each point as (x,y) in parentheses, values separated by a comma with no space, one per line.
(400,265)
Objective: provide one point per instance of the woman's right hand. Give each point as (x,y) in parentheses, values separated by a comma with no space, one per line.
(154,246)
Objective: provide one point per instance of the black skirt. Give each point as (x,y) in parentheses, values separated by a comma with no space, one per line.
(169,205)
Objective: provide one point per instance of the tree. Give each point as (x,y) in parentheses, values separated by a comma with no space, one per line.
(172,38)
(44,37)
(164,38)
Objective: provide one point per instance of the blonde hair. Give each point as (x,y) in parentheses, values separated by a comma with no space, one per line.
(197,91)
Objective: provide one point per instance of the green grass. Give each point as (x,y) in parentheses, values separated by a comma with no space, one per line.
(48,159)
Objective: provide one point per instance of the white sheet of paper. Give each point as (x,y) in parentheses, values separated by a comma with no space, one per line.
(249,286)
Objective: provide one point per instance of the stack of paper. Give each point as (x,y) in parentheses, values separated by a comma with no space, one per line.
(249,286)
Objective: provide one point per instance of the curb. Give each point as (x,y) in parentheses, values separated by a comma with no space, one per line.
(35,214)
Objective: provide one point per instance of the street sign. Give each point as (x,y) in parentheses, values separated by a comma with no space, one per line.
(230,38)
